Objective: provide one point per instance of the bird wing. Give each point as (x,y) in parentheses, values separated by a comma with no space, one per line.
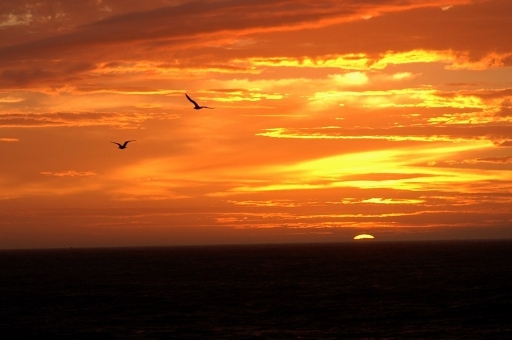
(191,100)
(128,141)
(115,143)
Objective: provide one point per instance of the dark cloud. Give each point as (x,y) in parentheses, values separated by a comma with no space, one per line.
(183,22)
(43,73)
(506,143)
(172,22)
(95,32)
(81,38)
(506,108)
(488,94)
(507,61)
(505,111)
(476,29)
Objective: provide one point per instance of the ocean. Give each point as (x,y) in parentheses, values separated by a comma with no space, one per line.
(360,290)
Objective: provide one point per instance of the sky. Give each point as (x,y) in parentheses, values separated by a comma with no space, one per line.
(330,118)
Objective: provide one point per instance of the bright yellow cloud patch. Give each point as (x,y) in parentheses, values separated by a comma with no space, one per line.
(362,61)
(378,200)
(363,170)
(410,97)
(337,133)
(348,61)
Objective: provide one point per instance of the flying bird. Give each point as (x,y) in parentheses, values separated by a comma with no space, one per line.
(196,106)
(123,146)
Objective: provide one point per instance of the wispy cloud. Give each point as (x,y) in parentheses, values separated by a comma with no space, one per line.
(10,99)
(15,20)
(7,139)
(69,173)
(82,119)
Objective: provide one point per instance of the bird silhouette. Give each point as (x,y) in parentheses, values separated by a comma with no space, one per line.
(123,146)
(196,106)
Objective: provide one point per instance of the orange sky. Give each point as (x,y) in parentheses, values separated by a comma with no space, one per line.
(332,118)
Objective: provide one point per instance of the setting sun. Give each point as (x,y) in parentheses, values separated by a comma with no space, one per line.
(363,237)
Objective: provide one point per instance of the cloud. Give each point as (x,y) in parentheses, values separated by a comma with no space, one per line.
(69,173)
(505,109)
(177,24)
(82,119)
(365,170)
(352,135)
(10,99)
(493,160)
(488,160)
(15,20)
(301,204)
(75,52)
(380,200)
(40,73)
(6,139)
(468,46)
(453,60)
(455,134)
(347,62)
(239,95)
(408,97)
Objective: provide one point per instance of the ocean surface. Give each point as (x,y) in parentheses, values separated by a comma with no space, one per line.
(360,290)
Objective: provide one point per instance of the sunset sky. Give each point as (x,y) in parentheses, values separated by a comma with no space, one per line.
(331,118)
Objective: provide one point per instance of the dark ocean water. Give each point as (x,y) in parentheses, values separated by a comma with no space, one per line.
(367,290)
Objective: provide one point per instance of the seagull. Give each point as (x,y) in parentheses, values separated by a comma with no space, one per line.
(196,106)
(123,146)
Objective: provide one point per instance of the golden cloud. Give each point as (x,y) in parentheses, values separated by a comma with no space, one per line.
(7,139)
(11,99)
(69,173)
(365,62)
